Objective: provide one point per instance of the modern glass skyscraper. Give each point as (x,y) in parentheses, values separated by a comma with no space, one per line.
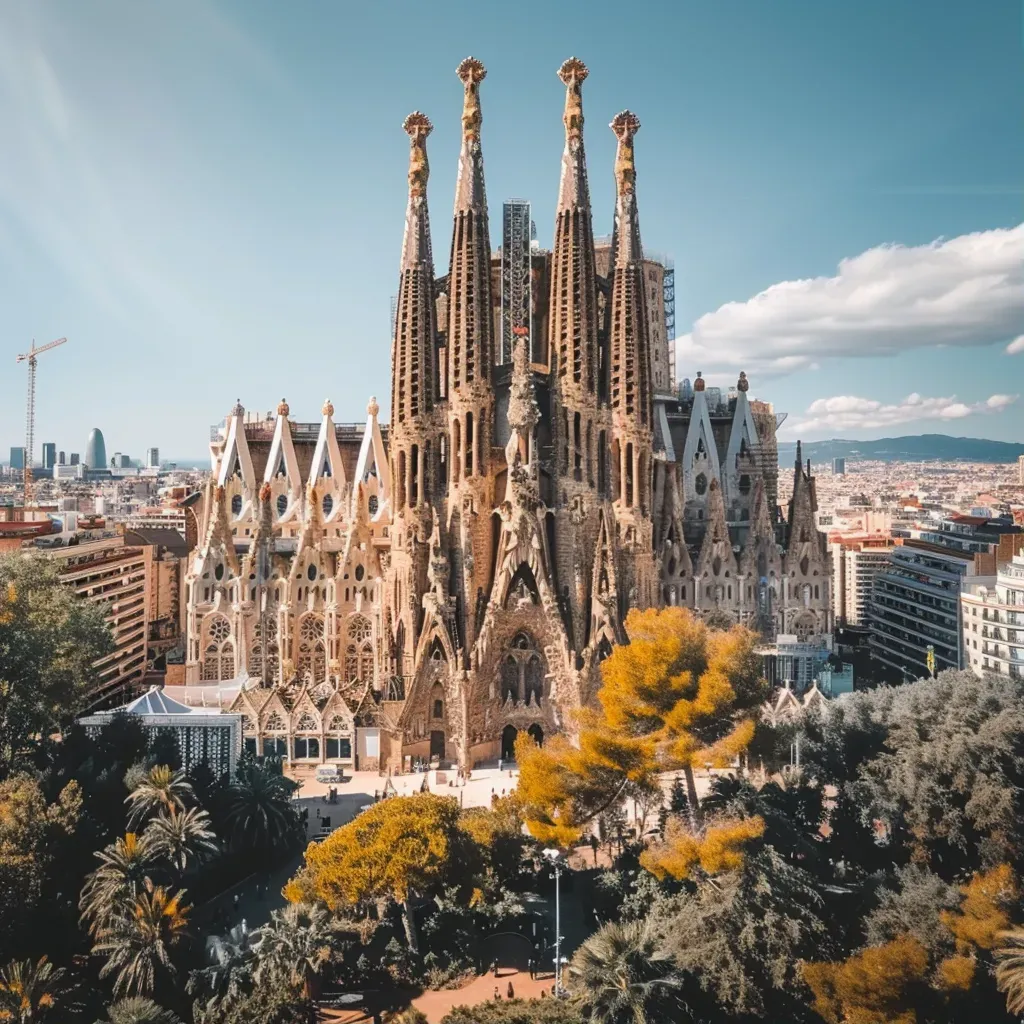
(95,450)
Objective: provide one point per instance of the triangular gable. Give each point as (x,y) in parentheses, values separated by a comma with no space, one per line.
(327,472)
(236,457)
(699,451)
(282,455)
(742,438)
(372,459)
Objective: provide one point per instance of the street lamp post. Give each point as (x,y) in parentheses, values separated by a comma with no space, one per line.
(555,857)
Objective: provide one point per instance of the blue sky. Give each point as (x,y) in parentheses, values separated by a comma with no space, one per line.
(207,198)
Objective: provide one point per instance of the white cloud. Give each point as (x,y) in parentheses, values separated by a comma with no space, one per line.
(1015,346)
(852,413)
(965,291)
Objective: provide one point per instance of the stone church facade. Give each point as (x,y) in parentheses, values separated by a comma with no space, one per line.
(431,588)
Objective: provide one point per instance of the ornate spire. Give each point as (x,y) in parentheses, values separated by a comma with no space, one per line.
(469,287)
(574,190)
(629,341)
(743,384)
(412,370)
(573,307)
(469,191)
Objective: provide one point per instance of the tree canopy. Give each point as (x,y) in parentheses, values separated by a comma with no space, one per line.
(49,640)
(678,695)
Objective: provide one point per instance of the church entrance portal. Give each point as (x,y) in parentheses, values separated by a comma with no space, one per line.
(508,743)
(437,745)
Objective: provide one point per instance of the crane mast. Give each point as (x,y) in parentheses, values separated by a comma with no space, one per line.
(30,408)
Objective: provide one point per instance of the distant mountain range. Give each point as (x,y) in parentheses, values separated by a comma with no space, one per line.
(915,448)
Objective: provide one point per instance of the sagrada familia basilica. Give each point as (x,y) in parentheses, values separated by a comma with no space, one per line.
(429,588)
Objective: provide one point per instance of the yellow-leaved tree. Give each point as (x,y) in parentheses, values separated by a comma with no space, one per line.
(402,847)
(678,695)
(903,982)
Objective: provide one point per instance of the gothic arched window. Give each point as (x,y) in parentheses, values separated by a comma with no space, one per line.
(312,648)
(522,671)
(359,650)
(219,653)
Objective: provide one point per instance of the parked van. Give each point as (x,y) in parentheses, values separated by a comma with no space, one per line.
(328,773)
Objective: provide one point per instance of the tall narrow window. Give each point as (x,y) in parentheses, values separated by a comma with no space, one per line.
(414,476)
(469,444)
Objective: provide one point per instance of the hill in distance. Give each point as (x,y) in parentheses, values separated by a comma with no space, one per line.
(913,448)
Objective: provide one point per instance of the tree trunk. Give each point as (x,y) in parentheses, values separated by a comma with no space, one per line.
(410,926)
(692,801)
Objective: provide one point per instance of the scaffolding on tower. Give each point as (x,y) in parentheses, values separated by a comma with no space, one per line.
(516,280)
(669,284)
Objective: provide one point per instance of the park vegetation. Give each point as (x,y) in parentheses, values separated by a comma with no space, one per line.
(878,880)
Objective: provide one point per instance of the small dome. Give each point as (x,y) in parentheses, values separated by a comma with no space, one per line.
(238,409)
(372,408)
(742,384)
(282,408)
(328,409)
(698,384)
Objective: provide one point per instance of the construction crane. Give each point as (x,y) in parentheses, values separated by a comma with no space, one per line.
(30,411)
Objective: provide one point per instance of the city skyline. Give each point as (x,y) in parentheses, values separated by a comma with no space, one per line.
(824,185)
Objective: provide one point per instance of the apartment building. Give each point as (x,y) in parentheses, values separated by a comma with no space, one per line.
(856,561)
(993,620)
(915,610)
(114,575)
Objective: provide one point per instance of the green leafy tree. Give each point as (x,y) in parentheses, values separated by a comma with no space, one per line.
(32,835)
(162,789)
(516,1011)
(295,945)
(1009,955)
(137,942)
(227,979)
(48,643)
(30,990)
(139,1010)
(741,934)
(182,838)
(259,815)
(125,867)
(623,975)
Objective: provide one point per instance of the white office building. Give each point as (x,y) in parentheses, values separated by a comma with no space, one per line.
(993,621)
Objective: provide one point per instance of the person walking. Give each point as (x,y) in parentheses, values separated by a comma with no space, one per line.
(497,994)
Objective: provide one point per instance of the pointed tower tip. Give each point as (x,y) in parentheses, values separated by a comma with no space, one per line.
(625,126)
(573,70)
(417,126)
(472,73)
(573,73)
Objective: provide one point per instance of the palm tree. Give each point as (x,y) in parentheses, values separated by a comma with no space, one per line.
(259,812)
(1010,969)
(227,978)
(180,837)
(623,976)
(139,1010)
(161,788)
(295,944)
(123,872)
(137,940)
(28,990)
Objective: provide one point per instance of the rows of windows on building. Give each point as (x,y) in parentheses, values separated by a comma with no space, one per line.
(935,596)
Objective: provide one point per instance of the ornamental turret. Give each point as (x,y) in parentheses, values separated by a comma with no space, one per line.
(414,375)
(580,433)
(470,326)
(575,358)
